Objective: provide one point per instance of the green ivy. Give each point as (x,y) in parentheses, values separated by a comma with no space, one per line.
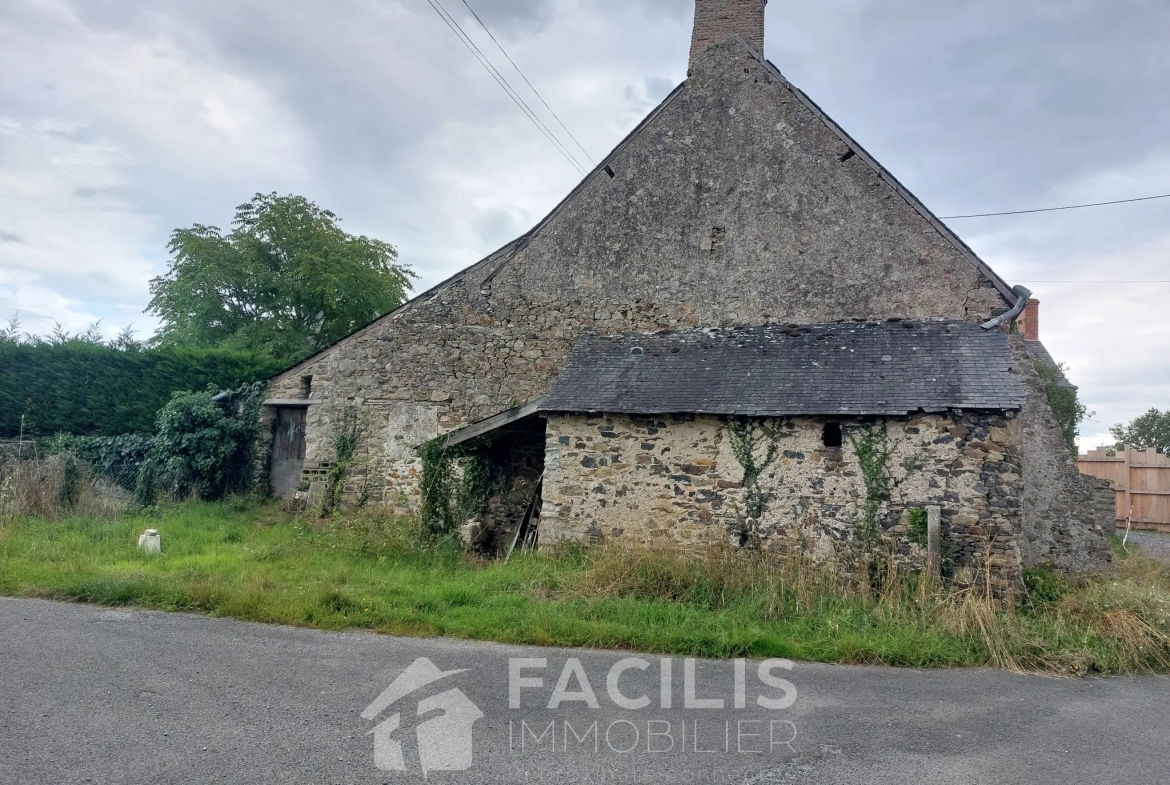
(1062,397)
(455,486)
(437,485)
(348,428)
(745,444)
(872,447)
(918,526)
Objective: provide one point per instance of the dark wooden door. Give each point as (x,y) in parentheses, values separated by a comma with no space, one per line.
(288,450)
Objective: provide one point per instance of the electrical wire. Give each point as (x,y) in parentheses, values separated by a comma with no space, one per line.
(1100,282)
(1054,209)
(530,85)
(504,84)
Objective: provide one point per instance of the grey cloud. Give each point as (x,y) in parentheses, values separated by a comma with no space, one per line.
(10,237)
(999,104)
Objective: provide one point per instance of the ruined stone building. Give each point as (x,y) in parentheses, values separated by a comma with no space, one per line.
(738,328)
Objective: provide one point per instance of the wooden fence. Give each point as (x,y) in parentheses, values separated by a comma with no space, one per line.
(1141,480)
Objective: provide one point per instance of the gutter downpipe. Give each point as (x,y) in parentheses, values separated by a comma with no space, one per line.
(1022,293)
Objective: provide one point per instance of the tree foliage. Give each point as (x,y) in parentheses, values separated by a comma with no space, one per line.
(286,280)
(1151,429)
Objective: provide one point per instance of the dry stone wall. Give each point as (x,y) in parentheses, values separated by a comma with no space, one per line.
(677,480)
(734,205)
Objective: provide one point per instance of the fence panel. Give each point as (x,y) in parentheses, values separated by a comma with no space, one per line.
(1141,480)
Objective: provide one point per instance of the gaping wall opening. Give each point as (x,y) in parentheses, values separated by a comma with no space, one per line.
(501,482)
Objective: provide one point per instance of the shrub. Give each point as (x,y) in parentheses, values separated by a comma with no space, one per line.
(205,445)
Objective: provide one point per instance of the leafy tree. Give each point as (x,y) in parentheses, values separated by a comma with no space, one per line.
(1151,429)
(286,281)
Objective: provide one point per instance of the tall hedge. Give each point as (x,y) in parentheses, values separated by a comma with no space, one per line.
(92,389)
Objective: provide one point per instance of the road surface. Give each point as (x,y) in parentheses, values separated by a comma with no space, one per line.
(90,694)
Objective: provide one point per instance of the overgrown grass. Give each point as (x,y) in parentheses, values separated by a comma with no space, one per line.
(366,571)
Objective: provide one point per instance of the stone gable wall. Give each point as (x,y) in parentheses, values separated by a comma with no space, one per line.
(659,480)
(734,206)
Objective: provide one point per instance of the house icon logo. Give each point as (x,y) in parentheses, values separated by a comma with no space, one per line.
(443,741)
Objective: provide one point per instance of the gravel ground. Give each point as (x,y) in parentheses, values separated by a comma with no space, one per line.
(1156,544)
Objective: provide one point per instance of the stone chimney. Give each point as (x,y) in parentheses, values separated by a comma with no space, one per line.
(718,20)
(1030,320)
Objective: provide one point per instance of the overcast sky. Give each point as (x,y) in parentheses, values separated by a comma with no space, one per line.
(121,120)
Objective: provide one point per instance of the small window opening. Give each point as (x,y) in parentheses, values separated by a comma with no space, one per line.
(306,386)
(831,435)
(847,155)
(609,170)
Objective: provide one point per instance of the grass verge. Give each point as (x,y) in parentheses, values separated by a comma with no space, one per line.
(259,564)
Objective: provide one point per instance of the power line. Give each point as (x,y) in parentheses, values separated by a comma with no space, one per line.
(1099,282)
(503,83)
(530,85)
(1053,209)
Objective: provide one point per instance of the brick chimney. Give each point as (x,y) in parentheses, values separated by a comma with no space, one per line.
(718,20)
(1030,320)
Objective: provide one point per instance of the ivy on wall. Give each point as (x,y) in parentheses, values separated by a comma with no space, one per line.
(747,439)
(455,485)
(349,425)
(1063,399)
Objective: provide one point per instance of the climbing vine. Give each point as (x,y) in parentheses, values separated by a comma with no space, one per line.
(1062,397)
(872,447)
(348,429)
(745,445)
(436,485)
(455,487)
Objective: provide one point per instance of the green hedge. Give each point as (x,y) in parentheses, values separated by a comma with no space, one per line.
(92,389)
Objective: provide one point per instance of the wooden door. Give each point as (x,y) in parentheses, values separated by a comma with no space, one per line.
(288,450)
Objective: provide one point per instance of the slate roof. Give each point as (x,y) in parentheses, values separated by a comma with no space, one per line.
(885,368)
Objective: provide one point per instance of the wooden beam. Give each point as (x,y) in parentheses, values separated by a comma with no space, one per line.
(292,401)
(492,423)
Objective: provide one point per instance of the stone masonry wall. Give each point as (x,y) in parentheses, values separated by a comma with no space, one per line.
(659,480)
(734,206)
(1067,516)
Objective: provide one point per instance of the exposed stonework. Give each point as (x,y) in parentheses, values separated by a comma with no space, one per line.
(1067,515)
(676,479)
(718,20)
(734,205)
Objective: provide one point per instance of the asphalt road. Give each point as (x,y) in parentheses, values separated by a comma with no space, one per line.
(112,696)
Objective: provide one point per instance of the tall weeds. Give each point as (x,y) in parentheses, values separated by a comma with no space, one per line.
(56,487)
(1118,622)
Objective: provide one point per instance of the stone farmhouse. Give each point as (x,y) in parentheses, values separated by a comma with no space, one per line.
(739,328)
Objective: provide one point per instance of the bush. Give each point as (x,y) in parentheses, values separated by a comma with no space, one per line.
(205,445)
(118,458)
